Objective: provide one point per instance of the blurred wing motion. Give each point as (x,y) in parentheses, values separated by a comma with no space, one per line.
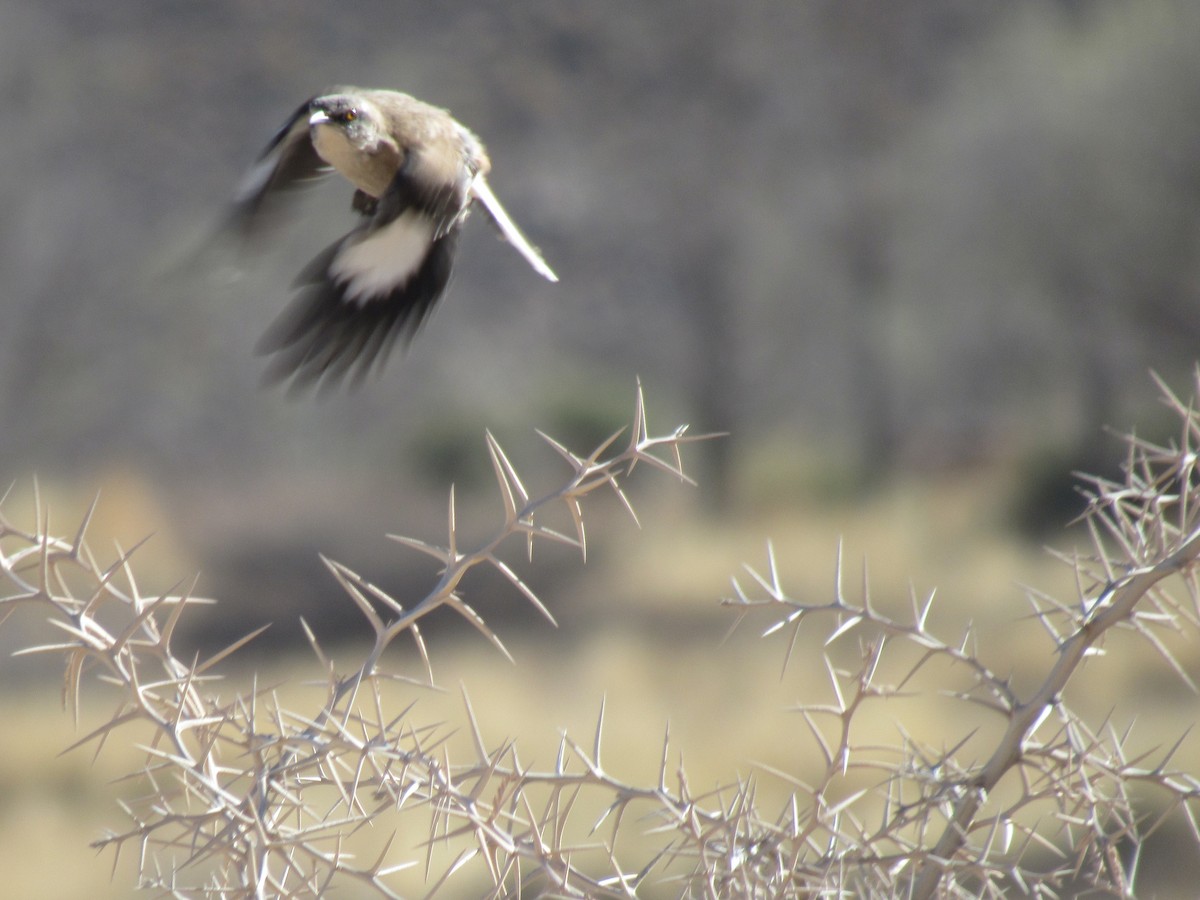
(289,161)
(364,291)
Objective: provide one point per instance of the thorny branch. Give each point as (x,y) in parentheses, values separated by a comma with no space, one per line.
(1145,532)
(249,798)
(261,797)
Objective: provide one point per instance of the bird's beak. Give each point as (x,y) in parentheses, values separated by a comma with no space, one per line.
(319,117)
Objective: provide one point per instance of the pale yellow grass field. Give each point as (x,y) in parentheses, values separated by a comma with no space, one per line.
(652,651)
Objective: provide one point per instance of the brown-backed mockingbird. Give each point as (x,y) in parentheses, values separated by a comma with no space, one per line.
(416,173)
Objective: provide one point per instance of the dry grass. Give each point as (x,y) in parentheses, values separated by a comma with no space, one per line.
(852,788)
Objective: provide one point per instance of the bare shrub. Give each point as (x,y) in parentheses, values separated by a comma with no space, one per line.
(245,797)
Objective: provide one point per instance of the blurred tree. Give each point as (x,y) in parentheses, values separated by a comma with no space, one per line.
(903,225)
(1047,221)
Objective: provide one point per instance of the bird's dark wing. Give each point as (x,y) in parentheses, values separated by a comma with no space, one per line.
(375,285)
(289,161)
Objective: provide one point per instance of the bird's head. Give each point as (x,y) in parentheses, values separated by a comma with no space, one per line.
(343,116)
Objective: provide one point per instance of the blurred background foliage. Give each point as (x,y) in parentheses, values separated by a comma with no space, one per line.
(911,254)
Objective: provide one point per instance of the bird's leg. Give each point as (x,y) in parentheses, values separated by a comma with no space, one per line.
(364,203)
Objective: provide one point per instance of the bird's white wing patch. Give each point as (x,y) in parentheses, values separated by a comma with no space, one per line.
(512,234)
(372,266)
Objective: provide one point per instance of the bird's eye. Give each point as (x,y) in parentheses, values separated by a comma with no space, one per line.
(343,116)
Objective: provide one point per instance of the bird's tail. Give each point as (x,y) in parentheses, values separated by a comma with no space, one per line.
(483,193)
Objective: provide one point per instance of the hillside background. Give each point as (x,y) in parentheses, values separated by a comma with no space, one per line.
(912,256)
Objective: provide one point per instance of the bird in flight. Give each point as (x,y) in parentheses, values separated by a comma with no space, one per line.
(416,173)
